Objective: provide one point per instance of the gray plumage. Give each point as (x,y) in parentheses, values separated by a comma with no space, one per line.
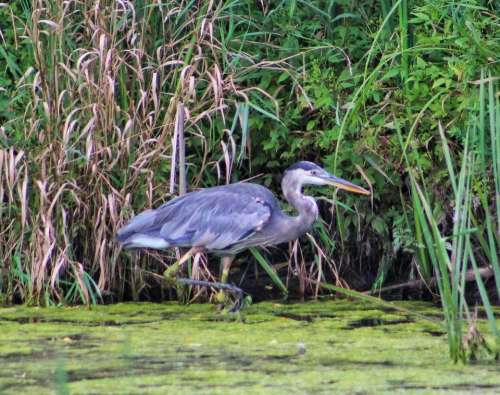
(227,219)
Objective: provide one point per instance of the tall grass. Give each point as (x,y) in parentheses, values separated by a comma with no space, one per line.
(98,136)
(453,255)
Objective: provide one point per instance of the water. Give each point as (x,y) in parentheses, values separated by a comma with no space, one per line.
(315,347)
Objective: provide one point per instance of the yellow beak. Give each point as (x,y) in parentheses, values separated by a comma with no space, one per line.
(345,185)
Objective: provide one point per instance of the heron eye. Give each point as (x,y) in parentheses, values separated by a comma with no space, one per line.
(314,173)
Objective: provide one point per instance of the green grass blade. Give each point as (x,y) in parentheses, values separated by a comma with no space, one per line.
(269,270)
(403,26)
(376,301)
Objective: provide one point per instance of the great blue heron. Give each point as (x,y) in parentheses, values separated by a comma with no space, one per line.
(228,219)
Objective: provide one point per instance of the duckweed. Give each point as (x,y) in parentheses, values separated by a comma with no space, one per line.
(273,348)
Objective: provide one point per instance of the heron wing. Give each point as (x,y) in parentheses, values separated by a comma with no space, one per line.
(214,218)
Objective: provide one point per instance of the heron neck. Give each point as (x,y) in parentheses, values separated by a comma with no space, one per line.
(305,205)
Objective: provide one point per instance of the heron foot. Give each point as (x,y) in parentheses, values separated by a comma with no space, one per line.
(170,274)
(222,298)
(240,300)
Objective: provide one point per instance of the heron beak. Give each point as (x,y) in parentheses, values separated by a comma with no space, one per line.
(345,185)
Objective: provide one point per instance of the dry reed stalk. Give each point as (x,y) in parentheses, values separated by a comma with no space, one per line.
(112,88)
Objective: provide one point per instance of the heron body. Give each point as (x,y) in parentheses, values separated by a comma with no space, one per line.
(230,218)
(218,219)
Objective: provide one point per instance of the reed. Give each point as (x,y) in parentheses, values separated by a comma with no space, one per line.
(452,255)
(108,83)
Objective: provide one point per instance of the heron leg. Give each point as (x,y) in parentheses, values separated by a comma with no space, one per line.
(226,263)
(225,266)
(171,273)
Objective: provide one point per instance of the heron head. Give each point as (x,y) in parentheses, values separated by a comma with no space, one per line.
(308,173)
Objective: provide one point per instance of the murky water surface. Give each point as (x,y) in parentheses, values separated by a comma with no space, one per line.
(317,347)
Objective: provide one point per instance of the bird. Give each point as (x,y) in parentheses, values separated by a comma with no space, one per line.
(227,219)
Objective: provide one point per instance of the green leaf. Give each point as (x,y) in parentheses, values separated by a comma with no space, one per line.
(394,72)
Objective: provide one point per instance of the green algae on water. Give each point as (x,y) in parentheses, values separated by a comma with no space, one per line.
(315,347)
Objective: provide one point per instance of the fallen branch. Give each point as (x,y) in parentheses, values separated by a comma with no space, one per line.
(484,272)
